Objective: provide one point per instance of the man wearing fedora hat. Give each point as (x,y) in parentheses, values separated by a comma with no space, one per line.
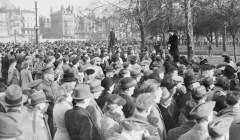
(40,105)
(81,126)
(93,108)
(190,82)
(173,42)
(13,97)
(128,86)
(109,71)
(13,102)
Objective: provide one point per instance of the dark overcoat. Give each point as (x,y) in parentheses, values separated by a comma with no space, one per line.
(173,41)
(175,133)
(80,125)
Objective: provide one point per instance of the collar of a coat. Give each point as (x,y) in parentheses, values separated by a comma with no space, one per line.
(230,111)
(188,125)
(79,108)
(200,127)
(140,117)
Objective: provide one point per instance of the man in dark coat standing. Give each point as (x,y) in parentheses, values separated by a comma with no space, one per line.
(111,39)
(78,121)
(173,41)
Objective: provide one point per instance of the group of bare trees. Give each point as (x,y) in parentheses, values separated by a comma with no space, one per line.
(193,18)
(7,11)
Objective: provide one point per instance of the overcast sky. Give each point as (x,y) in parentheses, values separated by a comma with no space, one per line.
(44,5)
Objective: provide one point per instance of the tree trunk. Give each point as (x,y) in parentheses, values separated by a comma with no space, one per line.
(216,38)
(234,47)
(224,39)
(211,37)
(170,17)
(189,28)
(142,37)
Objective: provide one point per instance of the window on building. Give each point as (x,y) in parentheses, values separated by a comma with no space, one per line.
(28,25)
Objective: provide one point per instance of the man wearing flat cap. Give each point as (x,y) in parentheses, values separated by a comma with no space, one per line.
(143,108)
(134,130)
(78,121)
(93,108)
(219,128)
(199,94)
(203,113)
(175,133)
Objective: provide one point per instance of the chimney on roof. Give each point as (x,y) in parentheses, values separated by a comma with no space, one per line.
(62,8)
(51,11)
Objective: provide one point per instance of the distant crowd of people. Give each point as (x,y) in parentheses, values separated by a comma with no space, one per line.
(86,91)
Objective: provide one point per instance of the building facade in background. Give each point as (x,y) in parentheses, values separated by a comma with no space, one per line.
(28,29)
(63,23)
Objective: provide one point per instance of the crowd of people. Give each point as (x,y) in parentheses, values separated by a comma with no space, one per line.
(86,91)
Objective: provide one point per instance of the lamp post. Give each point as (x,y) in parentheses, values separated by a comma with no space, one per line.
(36,27)
(15,36)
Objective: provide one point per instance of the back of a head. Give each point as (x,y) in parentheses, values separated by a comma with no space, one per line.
(232,98)
(75,61)
(149,86)
(85,59)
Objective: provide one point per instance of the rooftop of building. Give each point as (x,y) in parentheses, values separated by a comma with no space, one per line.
(68,10)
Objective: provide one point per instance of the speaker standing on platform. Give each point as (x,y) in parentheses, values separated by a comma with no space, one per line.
(173,42)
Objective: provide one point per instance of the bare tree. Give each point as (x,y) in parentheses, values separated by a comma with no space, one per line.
(229,12)
(8,10)
(141,12)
